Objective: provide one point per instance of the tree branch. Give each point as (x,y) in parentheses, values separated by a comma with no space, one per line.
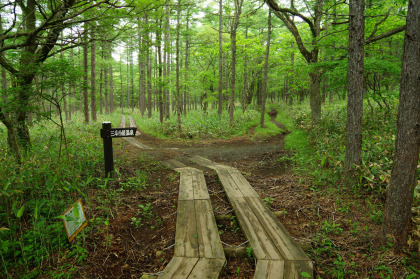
(385,35)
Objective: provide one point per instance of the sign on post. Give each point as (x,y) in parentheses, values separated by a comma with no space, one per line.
(74,220)
(107,133)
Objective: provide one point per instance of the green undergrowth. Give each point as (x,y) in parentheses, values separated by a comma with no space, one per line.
(35,193)
(318,157)
(197,125)
(268,131)
(320,150)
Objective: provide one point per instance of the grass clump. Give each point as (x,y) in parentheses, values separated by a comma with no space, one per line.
(207,126)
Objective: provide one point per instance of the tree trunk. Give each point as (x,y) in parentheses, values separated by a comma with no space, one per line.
(168,64)
(178,101)
(85,78)
(149,71)
(142,79)
(245,89)
(101,82)
(264,86)
(122,89)
(106,90)
(160,68)
(238,10)
(355,87)
(186,64)
(93,76)
(407,143)
(220,107)
(111,83)
(315,96)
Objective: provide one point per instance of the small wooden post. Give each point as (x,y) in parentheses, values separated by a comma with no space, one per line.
(108,152)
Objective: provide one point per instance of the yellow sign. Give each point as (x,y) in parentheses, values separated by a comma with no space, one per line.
(74,219)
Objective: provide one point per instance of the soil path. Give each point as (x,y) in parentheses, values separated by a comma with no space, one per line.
(238,152)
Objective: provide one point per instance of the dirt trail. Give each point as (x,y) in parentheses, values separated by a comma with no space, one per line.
(240,152)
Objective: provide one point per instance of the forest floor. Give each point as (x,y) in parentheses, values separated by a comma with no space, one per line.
(336,229)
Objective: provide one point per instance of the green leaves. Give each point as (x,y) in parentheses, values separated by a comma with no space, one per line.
(305,274)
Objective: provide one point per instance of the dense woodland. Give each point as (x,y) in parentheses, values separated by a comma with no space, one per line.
(344,75)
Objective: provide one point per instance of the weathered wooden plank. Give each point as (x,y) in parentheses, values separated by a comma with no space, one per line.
(201,161)
(199,185)
(207,268)
(122,123)
(269,269)
(186,242)
(136,143)
(259,240)
(294,269)
(235,177)
(133,124)
(173,164)
(179,268)
(210,245)
(279,236)
(185,184)
(192,184)
(231,189)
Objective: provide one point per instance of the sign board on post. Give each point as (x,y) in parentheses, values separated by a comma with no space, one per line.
(107,133)
(118,132)
(74,220)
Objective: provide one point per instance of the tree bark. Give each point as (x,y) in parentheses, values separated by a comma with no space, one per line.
(264,85)
(238,10)
(186,62)
(168,64)
(245,89)
(220,107)
(355,87)
(85,77)
(148,70)
(142,79)
(93,76)
(403,175)
(160,69)
(178,61)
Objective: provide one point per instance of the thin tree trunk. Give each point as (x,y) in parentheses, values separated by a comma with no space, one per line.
(238,10)
(142,87)
(245,89)
(149,70)
(93,76)
(407,143)
(178,101)
(264,85)
(106,90)
(111,83)
(128,78)
(355,87)
(101,100)
(122,89)
(85,67)
(186,64)
(220,108)
(168,64)
(160,68)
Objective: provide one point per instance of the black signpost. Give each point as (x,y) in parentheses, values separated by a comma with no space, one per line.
(107,133)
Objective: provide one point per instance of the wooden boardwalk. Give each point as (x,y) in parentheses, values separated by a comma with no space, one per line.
(277,254)
(198,249)
(133,141)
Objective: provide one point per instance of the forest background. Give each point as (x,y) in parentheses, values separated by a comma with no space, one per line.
(337,70)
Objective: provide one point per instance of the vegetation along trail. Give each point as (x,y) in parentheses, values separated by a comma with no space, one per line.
(295,125)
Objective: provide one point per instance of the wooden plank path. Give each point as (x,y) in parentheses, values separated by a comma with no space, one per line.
(277,254)
(198,249)
(133,141)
